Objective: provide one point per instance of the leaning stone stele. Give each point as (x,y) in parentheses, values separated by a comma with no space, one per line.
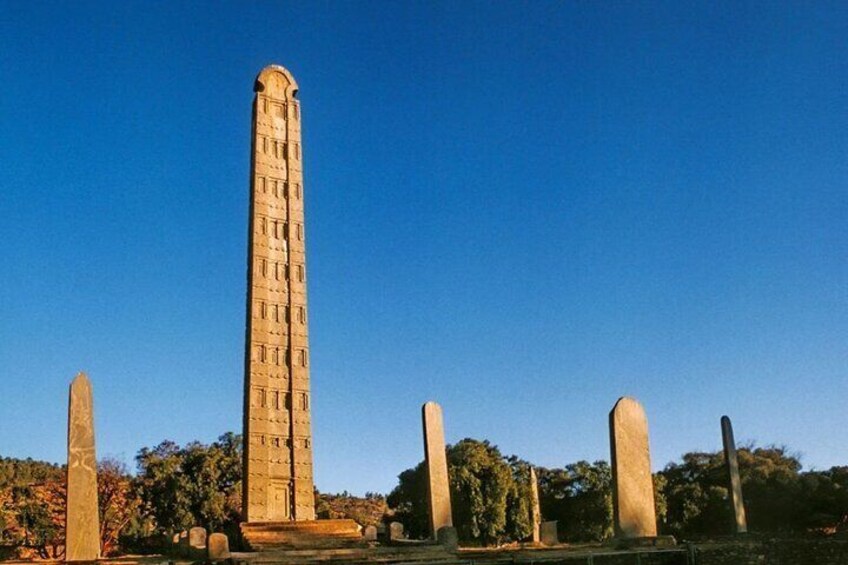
(82,522)
(535,509)
(734,482)
(634,514)
(278,483)
(438,489)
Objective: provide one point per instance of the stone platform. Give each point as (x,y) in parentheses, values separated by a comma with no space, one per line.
(383,555)
(306,534)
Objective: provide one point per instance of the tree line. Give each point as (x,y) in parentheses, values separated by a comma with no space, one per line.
(490,494)
(176,487)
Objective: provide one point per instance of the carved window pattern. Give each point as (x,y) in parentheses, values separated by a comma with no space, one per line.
(301,314)
(300,273)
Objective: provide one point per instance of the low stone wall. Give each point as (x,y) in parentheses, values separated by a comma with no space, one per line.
(774,552)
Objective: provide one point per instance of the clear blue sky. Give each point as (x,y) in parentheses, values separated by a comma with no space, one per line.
(520,210)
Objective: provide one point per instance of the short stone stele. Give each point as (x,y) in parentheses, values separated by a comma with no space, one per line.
(634,515)
(395,531)
(438,490)
(369,533)
(734,482)
(82,522)
(197,537)
(218,547)
(548,532)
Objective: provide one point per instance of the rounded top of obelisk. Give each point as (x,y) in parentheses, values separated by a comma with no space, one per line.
(276,81)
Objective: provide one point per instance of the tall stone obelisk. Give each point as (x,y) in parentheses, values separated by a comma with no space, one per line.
(82,521)
(438,481)
(278,482)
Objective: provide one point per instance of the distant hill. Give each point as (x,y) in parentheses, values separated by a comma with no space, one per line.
(22,472)
(367,510)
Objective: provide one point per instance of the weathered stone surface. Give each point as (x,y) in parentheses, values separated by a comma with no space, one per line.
(197,537)
(448,537)
(82,522)
(438,491)
(395,531)
(218,547)
(267,536)
(734,482)
(278,484)
(634,514)
(535,509)
(548,532)
(369,533)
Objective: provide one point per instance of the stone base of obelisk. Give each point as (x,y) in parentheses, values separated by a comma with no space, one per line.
(270,536)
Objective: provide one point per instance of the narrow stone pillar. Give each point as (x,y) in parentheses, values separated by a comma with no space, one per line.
(735,483)
(535,509)
(634,514)
(438,489)
(82,521)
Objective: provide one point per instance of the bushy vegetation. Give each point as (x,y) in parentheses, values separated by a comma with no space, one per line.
(177,487)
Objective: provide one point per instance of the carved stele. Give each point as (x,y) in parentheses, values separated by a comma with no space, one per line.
(438,490)
(82,522)
(535,509)
(634,514)
(278,483)
(734,482)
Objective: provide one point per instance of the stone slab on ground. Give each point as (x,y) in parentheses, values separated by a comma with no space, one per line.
(268,536)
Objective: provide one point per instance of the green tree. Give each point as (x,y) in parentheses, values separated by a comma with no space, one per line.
(519,519)
(194,485)
(408,500)
(579,498)
(480,482)
(489,494)
(696,496)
